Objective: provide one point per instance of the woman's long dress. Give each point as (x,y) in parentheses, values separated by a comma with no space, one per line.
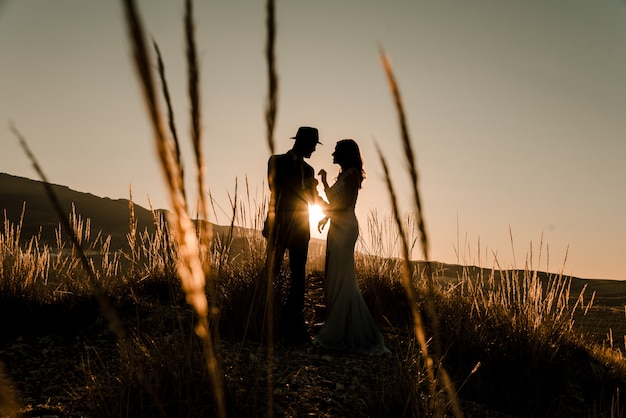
(349,325)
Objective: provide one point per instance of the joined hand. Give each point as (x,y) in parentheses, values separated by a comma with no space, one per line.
(321,224)
(322,173)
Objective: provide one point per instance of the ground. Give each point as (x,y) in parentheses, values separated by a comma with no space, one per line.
(49,371)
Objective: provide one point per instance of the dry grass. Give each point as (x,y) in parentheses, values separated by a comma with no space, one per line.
(270,120)
(75,237)
(432,359)
(193,262)
(507,340)
(492,325)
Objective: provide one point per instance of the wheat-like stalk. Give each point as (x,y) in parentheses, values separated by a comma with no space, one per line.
(407,277)
(170,115)
(115,324)
(408,151)
(132,234)
(196,128)
(191,267)
(272,77)
(196,138)
(270,120)
(430,303)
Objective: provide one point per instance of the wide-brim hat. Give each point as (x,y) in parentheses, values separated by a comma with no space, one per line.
(308,134)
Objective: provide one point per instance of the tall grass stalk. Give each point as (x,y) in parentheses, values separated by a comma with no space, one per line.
(407,276)
(192,253)
(226,241)
(114,322)
(270,121)
(271,108)
(22,269)
(408,151)
(193,83)
(152,255)
(412,170)
(193,80)
(132,226)
(170,115)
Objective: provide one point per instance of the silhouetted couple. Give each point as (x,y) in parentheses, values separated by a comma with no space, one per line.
(349,325)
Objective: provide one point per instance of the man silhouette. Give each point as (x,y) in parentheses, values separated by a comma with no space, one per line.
(292,187)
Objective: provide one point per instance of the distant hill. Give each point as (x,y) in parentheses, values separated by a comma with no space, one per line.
(111,216)
(607,292)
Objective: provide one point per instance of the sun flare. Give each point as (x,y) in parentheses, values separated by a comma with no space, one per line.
(315,215)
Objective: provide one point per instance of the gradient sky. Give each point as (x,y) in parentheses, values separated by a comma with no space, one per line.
(516,111)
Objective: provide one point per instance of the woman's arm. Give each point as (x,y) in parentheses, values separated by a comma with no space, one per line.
(342,195)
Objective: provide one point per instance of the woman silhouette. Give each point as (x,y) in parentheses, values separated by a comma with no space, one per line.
(349,325)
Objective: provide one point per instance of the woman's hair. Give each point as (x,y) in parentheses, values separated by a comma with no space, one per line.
(350,156)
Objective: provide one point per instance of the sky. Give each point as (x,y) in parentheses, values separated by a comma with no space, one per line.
(515,111)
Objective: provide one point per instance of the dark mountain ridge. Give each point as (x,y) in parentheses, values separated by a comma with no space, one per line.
(22,196)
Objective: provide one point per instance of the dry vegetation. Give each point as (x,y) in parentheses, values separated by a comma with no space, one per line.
(510,343)
(174,324)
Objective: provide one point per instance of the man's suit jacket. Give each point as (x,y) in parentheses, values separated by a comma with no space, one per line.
(292,187)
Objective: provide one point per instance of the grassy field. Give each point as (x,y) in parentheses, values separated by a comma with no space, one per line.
(179,323)
(512,345)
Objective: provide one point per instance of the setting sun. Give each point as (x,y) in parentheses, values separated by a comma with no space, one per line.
(315,215)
